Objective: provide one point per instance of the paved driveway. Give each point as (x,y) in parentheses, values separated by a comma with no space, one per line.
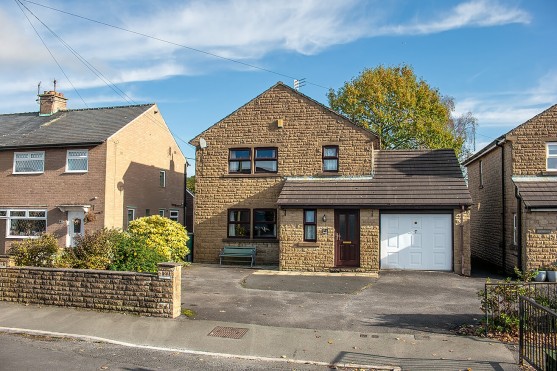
(400,302)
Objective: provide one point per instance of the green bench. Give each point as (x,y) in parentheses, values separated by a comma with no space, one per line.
(247,253)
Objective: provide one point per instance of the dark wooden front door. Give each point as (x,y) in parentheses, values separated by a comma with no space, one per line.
(347,238)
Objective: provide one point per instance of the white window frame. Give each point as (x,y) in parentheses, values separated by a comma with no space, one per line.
(548,156)
(132,209)
(162,212)
(163,173)
(29,154)
(515,229)
(76,157)
(9,219)
(481,174)
(174,214)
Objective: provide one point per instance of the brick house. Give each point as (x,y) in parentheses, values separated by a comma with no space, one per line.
(513,183)
(67,172)
(310,189)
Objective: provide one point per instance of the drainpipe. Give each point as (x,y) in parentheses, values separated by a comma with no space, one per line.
(185,191)
(519,226)
(503,229)
(462,240)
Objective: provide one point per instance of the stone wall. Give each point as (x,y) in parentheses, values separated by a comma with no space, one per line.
(541,238)
(307,127)
(157,295)
(461,242)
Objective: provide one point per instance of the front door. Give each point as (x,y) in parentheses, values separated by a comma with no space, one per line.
(75,226)
(347,238)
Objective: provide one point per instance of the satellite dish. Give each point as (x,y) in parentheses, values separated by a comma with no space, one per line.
(202,143)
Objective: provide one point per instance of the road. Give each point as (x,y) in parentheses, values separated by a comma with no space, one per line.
(26,352)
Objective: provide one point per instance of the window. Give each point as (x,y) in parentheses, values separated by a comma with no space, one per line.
(77,161)
(552,156)
(131,215)
(239,161)
(515,229)
(28,162)
(265,160)
(161,212)
(174,215)
(147,212)
(25,223)
(264,223)
(238,223)
(481,170)
(162,178)
(310,225)
(330,158)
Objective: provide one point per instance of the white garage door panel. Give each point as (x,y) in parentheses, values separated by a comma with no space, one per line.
(416,241)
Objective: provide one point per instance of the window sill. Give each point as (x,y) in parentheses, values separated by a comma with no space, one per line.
(312,245)
(76,172)
(329,174)
(248,240)
(22,237)
(550,172)
(257,175)
(36,173)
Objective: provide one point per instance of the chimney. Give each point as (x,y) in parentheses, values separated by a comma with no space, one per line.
(51,102)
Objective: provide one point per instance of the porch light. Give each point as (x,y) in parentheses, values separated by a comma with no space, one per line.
(324,218)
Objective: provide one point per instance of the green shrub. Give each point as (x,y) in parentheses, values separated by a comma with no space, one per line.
(92,251)
(36,252)
(168,238)
(131,253)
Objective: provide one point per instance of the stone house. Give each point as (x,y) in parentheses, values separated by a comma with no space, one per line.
(66,172)
(312,191)
(513,183)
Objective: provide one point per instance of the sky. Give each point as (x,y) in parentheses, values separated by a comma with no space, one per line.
(201,60)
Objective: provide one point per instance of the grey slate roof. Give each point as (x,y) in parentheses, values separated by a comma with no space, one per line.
(65,128)
(403,179)
(538,194)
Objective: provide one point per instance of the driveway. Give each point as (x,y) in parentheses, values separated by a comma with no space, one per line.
(397,301)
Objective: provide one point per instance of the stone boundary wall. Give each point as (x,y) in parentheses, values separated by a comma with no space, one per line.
(146,294)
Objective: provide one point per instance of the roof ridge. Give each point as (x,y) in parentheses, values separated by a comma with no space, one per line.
(81,109)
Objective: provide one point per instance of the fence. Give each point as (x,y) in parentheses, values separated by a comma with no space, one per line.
(538,335)
(502,298)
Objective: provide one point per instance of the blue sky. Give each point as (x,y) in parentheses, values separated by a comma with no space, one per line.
(496,58)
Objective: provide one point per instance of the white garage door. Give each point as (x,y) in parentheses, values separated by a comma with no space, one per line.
(416,241)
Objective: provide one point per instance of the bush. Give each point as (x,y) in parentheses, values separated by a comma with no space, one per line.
(168,238)
(36,252)
(131,253)
(92,250)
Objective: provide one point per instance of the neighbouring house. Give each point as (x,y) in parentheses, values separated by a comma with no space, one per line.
(513,183)
(190,199)
(66,172)
(311,191)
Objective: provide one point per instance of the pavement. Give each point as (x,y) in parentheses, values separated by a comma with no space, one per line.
(397,348)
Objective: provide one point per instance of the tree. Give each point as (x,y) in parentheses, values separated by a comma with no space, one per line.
(402,109)
(190,183)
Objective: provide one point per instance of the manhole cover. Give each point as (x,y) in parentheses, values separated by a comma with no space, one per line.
(228,332)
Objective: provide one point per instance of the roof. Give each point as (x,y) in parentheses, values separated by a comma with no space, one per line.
(503,137)
(538,194)
(298,93)
(65,128)
(403,179)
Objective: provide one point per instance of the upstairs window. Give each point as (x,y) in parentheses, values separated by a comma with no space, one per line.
(161,212)
(265,160)
(238,223)
(552,156)
(481,170)
(162,178)
(310,225)
(330,158)
(264,223)
(77,161)
(239,161)
(28,162)
(173,215)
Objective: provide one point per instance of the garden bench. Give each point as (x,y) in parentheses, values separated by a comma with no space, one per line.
(242,252)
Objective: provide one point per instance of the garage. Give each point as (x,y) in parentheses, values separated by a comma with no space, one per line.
(416,241)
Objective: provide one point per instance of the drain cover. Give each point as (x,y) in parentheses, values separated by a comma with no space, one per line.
(228,332)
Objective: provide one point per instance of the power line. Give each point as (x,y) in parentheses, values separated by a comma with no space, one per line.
(20,5)
(174,43)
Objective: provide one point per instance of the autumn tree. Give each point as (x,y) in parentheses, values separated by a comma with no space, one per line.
(401,108)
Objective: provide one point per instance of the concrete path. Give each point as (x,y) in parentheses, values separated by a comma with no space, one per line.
(262,343)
